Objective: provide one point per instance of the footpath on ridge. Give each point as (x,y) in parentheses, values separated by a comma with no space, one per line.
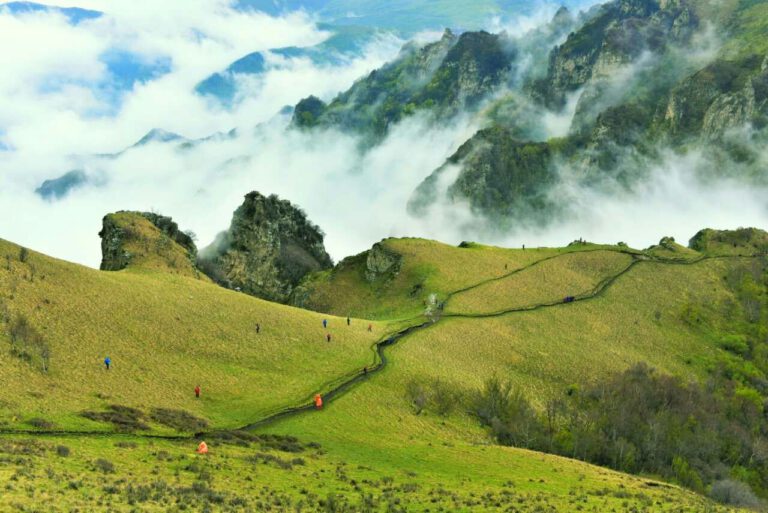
(342,384)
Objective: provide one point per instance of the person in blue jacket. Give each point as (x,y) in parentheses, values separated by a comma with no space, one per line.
(107,362)
(325,323)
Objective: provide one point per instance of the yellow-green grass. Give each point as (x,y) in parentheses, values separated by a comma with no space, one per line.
(165,333)
(639,318)
(569,274)
(373,425)
(126,474)
(674,252)
(428,267)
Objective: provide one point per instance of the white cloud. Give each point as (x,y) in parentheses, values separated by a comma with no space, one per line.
(356,198)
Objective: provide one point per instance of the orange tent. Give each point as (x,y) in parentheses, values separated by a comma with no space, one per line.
(318,401)
(202,448)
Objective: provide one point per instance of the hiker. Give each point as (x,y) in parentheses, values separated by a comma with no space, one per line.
(325,323)
(202,448)
(318,402)
(365,371)
(107,362)
(328,337)
(506,266)
(523,246)
(370,327)
(348,320)
(258,328)
(197,391)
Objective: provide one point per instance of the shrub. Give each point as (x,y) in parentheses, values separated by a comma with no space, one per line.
(62,450)
(735,344)
(124,418)
(40,423)
(23,254)
(734,493)
(178,419)
(417,394)
(104,465)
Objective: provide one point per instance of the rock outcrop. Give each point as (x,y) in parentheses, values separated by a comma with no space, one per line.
(382,263)
(148,240)
(269,247)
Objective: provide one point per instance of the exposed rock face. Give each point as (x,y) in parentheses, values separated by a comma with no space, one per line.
(498,175)
(442,77)
(723,95)
(618,33)
(748,241)
(148,239)
(114,255)
(382,263)
(269,247)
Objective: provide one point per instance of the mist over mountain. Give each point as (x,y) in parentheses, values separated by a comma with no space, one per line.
(508,124)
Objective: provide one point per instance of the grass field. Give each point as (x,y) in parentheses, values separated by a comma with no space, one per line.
(570,274)
(368,450)
(165,334)
(429,268)
(125,474)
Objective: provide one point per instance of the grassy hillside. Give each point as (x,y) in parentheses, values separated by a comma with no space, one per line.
(428,267)
(641,317)
(165,334)
(399,440)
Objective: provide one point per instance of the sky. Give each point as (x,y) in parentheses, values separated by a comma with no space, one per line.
(64,101)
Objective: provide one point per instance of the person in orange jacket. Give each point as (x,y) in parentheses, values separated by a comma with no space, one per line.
(202,448)
(318,402)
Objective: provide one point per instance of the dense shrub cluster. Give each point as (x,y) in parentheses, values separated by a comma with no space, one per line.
(642,421)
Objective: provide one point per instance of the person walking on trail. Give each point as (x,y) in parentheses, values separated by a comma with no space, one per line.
(107,362)
(318,402)
(370,327)
(325,323)
(348,320)
(197,391)
(258,328)
(328,337)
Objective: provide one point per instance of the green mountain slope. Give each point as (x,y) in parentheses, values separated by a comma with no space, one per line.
(375,445)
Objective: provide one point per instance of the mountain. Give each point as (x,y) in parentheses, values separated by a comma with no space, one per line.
(344,44)
(57,188)
(442,77)
(631,81)
(638,95)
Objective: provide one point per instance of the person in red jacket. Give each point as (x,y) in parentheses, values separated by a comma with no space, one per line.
(197,391)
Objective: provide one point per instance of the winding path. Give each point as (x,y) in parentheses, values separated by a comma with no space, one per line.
(347,382)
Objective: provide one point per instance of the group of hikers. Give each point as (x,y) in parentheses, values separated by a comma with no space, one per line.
(318,399)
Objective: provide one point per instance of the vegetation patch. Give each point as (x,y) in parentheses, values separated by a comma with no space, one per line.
(178,419)
(123,418)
